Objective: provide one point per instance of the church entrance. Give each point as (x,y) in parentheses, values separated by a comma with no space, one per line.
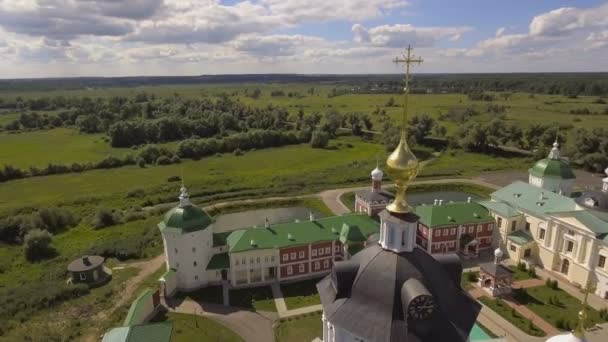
(565,266)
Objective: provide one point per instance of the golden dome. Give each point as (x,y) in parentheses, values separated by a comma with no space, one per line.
(402,166)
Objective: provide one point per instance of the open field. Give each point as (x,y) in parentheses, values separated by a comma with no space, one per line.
(192,328)
(299,329)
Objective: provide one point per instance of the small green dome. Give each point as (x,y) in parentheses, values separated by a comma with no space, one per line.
(554,168)
(188,218)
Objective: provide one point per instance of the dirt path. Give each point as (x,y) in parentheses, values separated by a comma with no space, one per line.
(146,268)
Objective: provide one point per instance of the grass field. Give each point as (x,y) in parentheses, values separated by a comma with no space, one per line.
(299,329)
(565,307)
(58,145)
(301,294)
(512,316)
(193,328)
(254,298)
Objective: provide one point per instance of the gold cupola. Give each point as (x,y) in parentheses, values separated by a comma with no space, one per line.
(402,165)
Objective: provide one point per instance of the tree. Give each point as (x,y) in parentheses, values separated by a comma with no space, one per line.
(331,122)
(440,131)
(88,124)
(38,245)
(420,127)
(319,139)
(390,102)
(104,217)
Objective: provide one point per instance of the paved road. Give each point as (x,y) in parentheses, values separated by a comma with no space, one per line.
(251,326)
(331,198)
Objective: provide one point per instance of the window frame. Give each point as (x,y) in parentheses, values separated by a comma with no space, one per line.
(289,270)
(601,261)
(301,268)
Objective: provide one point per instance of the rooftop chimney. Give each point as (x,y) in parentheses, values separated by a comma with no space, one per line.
(440,202)
(435,202)
(469,199)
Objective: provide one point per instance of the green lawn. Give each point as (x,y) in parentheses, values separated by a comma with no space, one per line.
(299,329)
(301,294)
(468,279)
(193,328)
(255,298)
(210,294)
(512,316)
(520,274)
(277,171)
(565,308)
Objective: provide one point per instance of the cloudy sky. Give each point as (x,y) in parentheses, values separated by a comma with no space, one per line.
(55,38)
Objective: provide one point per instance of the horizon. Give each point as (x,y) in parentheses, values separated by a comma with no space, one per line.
(143,38)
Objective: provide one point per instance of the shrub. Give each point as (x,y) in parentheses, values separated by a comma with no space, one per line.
(38,245)
(141,162)
(174,179)
(163,160)
(319,139)
(175,159)
(105,217)
(237,152)
(134,216)
(559,323)
(521,266)
(532,272)
(472,277)
(136,193)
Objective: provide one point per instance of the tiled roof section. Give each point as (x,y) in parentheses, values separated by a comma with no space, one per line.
(520,237)
(135,311)
(188,219)
(299,233)
(157,332)
(501,208)
(369,196)
(553,168)
(449,214)
(496,270)
(219,261)
(528,197)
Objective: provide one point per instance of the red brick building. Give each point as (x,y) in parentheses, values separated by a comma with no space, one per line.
(464,228)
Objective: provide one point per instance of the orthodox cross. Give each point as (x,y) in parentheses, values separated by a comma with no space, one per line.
(409,60)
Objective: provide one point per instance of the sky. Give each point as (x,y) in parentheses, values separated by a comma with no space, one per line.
(76,38)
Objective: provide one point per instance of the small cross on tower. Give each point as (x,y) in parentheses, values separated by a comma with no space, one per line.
(409,60)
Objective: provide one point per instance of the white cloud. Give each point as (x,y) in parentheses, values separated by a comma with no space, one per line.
(298,11)
(500,31)
(598,39)
(276,45)
(402,35)
(567,19)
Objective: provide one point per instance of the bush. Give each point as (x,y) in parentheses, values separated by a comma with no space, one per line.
(163,160)
(237,152)
(472,277)
(319,139)
(141,162)
(532,272)
(134,216)
(136,193)
(174,179)
(38,245)
(105,217)
(521,266)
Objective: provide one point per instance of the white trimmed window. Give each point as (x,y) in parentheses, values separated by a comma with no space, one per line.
(272,258)
(285,257)
(313,252)
(301,254)
(451,244)
(194,263)
(257,260)
(83,276)
(193,249)
(541,233)
(513,248)
(471,228)
(317,265)
(266,258)
(337,248)
(326,263)
(293,255)
(175,250)
(446,232)
(289,270)
(301,268)
(569,246)
(327,250)
(320,251)
(251,260)
(236,262)
(244,261)
(463,230)
(453,231)
(479,227)
(601,261)
(196,277)
(437,233)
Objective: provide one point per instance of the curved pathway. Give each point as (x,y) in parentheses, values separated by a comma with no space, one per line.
(331,198)
(250,325)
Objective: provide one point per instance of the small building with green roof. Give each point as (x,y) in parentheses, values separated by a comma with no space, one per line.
(460,227)
(553,173)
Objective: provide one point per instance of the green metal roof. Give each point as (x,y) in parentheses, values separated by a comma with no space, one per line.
(554,168)
(299,233)
(187,219)
(351,233)
(135,311)
(501,208)
(219,261)
(528,197)
(119,334)
(450,214)
(157,332)
(520,237)
(594,223)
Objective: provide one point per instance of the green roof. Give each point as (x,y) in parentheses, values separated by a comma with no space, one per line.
(594,223)
(450,214)
(299,233)
(119,334)
(219,239)
(528,197)
(157,332)
(553,168)
(501,208)
(135,311)
(351,233)
(520,237)
(219,261)
(355,248)
(188,219)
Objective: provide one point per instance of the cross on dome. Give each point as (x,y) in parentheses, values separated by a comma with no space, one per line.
(184,198)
